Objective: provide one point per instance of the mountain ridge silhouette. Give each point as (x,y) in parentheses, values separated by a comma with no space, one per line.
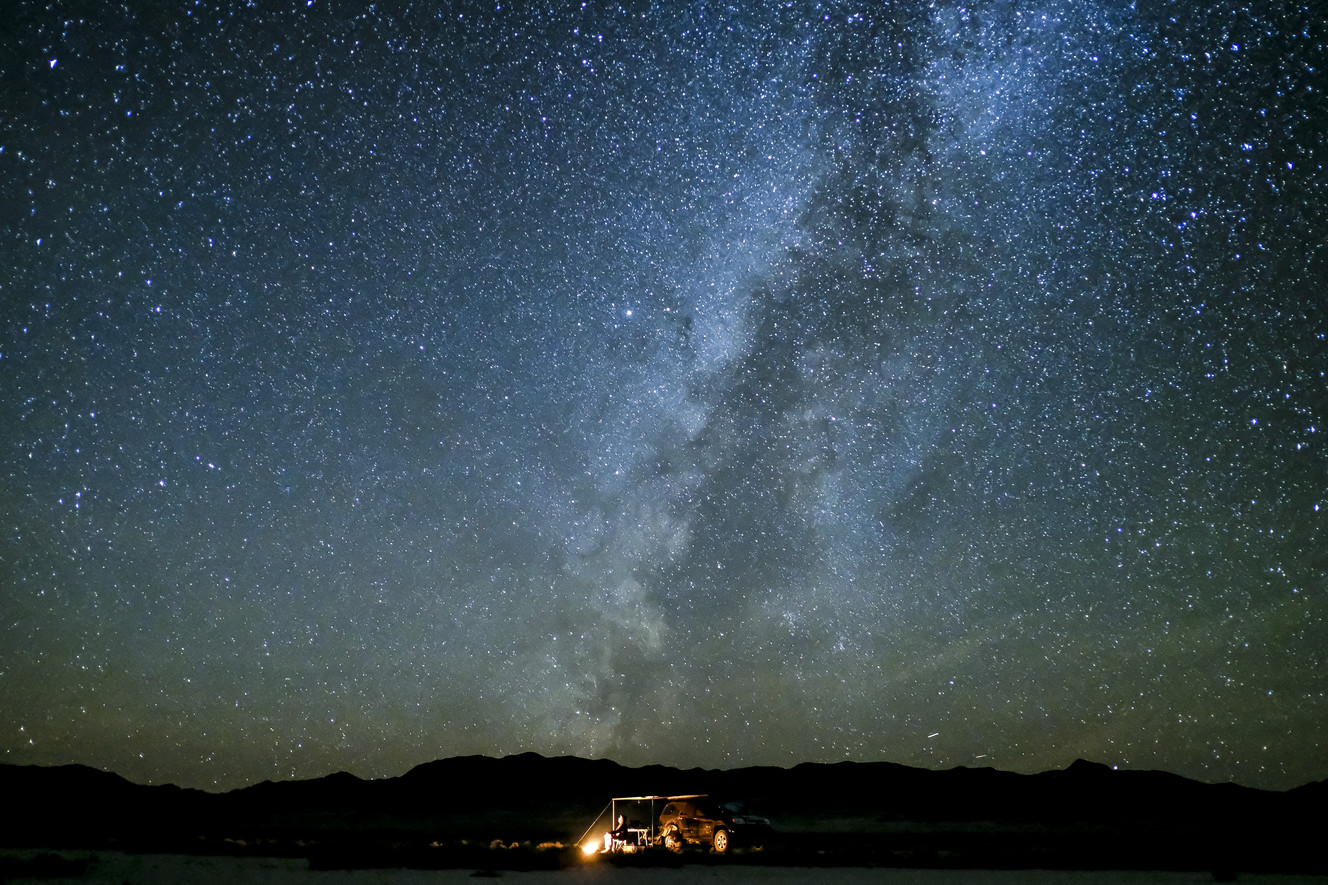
(1087,814)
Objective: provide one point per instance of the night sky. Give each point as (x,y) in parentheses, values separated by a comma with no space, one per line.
(677,383)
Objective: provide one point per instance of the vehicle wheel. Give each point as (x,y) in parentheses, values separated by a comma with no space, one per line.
(721,841)
(673,841)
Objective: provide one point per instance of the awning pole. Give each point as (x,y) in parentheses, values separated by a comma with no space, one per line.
(592,823)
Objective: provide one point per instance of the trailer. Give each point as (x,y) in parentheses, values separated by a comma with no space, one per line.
(633,834)
(681,821)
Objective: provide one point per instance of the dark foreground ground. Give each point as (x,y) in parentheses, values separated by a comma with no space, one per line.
(118,868)
(527,814)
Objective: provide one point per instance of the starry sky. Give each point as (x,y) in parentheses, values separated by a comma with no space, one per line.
(679,383)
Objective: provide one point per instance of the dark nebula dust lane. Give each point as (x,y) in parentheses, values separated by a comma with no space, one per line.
(674,383)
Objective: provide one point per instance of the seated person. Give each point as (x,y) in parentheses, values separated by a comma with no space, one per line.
(617,836)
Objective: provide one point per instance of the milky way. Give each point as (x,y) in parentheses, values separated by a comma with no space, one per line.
(673,383)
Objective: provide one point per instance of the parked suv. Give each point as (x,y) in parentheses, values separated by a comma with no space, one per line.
(690,822)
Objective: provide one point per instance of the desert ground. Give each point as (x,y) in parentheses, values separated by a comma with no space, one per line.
(119,868)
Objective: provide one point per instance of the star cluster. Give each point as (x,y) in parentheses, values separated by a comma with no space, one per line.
(677,383)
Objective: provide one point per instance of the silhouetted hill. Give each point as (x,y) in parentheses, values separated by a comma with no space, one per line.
(73,804)
(1087,815)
